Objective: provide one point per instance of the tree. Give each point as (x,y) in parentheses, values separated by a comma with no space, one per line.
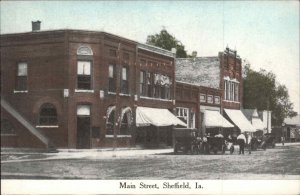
(261,91)
(167,41)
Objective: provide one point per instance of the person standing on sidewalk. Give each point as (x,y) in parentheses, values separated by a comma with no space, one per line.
(241,140)
(282,140)
(248,139)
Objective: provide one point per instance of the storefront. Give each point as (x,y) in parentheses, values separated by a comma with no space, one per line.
(154,126)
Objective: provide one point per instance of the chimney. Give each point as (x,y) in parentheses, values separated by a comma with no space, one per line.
(36,25)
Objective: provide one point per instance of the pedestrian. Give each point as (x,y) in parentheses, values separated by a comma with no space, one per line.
(282,140)
(241,139)
(248,139)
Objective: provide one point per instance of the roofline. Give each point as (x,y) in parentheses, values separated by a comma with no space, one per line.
(199,57)
(143,46)
(186,83)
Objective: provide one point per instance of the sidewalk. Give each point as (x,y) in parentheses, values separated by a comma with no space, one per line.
(288,144)
(18,155)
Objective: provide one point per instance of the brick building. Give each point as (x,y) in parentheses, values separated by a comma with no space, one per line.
(219,79)
(84,89)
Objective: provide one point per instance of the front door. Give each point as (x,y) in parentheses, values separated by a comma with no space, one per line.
(83,132)
(83,127)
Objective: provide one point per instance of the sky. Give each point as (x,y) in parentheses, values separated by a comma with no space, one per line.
(265,33)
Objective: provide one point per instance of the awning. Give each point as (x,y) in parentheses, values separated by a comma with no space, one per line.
(213,118)
(239,119)
(154,116)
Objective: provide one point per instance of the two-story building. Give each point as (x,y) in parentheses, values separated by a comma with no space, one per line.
(84,89)
(219,79)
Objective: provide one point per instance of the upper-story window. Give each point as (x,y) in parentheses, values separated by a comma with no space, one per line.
(202,98)
(124,80)
(210,99)
(111,78)
(231,90)
(143,83)
(217,99)
(84,67)
(21,82)
(236,92)
(48,115)
(84,75)
(149,84)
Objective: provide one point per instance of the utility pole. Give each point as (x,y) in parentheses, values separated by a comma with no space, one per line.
(117,101)
(268,116)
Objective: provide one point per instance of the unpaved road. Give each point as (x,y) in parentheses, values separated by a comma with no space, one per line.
(278,163)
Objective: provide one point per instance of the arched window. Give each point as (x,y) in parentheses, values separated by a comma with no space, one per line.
(110,120)
(7,127)
(126,121)
(84,68)
(84,51)
(48,115)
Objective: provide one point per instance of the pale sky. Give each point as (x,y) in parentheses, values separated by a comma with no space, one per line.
(266,33)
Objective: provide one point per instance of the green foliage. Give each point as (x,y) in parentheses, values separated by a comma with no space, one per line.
(261,91)
(167,41)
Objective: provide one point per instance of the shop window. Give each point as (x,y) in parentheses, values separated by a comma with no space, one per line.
(21,81)
(7,127)
(202,98)
(84,75)
(124,80)
(110,120)
(126,121)
(48,115)
(191,120)
(112,78)
(210,99)
(186,116)
(182,114)
(143,83)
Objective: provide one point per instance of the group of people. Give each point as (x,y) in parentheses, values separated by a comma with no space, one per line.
(243,140)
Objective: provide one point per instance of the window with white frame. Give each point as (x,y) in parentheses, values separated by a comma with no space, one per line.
(186,116)
(21,81)
(210,99)
(124,80)
(143,83)
(231,90)
(236,92)
(202,98)
(217,99)
(111,78)
(84,75)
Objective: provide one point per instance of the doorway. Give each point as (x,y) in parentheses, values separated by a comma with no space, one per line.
(83,127)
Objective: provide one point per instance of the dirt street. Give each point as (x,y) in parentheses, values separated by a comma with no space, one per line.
(278,163)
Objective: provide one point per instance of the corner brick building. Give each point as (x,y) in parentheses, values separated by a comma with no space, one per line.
(84,89)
